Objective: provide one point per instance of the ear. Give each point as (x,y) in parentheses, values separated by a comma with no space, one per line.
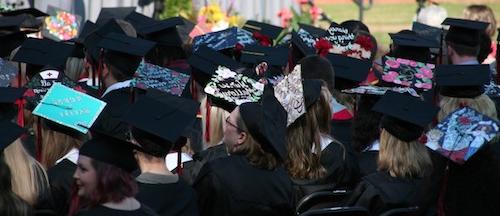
(242,137)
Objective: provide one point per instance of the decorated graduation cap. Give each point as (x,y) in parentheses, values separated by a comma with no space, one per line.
(462,81)
(224,39)
(274,56)
(9,132)
(107,14)
(314,31)
(266,122)
(349,72)
(461,134)
(409,45)
(69,108)
(160,78)
(464,32)
(124,52)
(290,93)
(407,73)
(304,42)
(8,71)
(106,148)
(205,61)
(405,117)
(43,52)
(61,25)
(164,116)
(233,88)
(341,38)
(380,90)
(163,32)
(269,30)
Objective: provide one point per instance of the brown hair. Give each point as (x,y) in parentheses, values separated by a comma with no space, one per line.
(303,140)
(482,13)
(481,103)
(55,145)
(253,150)
(402,159)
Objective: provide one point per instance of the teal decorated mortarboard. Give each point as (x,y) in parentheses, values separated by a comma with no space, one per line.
(69,107)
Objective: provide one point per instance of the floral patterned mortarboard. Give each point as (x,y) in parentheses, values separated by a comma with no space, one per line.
(408,73)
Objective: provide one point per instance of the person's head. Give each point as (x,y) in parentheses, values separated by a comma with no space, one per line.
(163,55)
(355,26)
(482,13)
(417,53)
(481,103)
(365,123)
(317,67)
(74,68)
(153,148)
(484,47)
(432,15)
(57,140)
(401,158)
(10,203)
(100,182)
(239,141)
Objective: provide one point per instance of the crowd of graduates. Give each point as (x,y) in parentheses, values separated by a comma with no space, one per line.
(257,120)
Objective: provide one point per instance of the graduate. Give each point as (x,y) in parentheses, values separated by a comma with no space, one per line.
(402,161)
(166,193)
(463,40)
(252,180)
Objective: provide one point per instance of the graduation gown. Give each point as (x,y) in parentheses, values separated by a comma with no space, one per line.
(61,184)
(192,168)
(341,166)
(105,211)
(380,192)
(367,162)
(341,131)
(177,197)
(232,186)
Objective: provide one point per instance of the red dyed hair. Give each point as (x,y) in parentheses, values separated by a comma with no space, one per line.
(113,185)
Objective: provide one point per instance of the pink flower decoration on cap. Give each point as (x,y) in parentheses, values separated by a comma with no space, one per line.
(391,63)
(390,76)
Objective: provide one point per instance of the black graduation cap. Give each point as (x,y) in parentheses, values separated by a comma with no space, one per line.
(31,11)
(464,32)
(43,52)
(165,116)
(271,31)
(274,56)
(304,49)
(462,81)
(124,52)
(87,28)
(349,72)
(10,95)
(92,40)
(205,62)
(138,19)
(113,13)
(111,150)
(405,116)
(12,23)
(428,32)
(9,132)
(163,32)
(314,31)
(267,122)
(412,40)
(312,91)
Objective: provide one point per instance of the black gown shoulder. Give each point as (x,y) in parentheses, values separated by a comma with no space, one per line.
(341,165)
(380,192)
(193,167)
(341,130)
(61,184)
(176,198)
(105,211)
(367,161)
(232,186)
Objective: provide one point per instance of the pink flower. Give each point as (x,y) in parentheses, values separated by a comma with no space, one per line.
(403,61)
(405,83)
(315,12)
(390,76)
(424,85)
(420,75)
(430,66)
(413,63)
(425,72)
(285,16)
(391,63)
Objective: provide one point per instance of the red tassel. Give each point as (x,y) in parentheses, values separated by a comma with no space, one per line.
(207,122)
(20,112)
(498,64)
(441,202)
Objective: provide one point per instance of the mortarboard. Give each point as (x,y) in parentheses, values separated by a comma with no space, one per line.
(86,29)
(164,79)
(32,11)
(405,117)
(107,14)
(464,32)
(94,37)
(124,52)
(379,90)
(10,41)
(9,95)
(138,19)
(105,148)
(8,71)
(460,134)
(163,32)
(412,40)
(430,33)
(274,56)
(224,39)
(349,72)
(9,133)
(69,108)
(234,88)
(61,24)
(11,23)
(340,37)
(43,52)
(314,31)
(290,93)
(269,30)
(407,73)
(266,122)
(205,62)
(462,81)
(304,42)
(165,116)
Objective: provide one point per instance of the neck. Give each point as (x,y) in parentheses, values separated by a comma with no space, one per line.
(128,203)
(461,59)
(156,166)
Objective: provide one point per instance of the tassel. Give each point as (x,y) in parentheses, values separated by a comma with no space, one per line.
(38,153)
(100,67)
(179,161)
(207,122)
(441,198)
(497,57)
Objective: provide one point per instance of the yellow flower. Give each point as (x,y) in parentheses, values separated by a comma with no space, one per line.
(234,20)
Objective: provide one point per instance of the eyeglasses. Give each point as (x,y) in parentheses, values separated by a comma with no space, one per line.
(233,125)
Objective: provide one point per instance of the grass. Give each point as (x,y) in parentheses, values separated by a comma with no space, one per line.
(386,18)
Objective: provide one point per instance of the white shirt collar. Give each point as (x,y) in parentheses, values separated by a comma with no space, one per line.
(470,62)
(72,156)
(324,141)
(171,160)
(375,146)
(117,85)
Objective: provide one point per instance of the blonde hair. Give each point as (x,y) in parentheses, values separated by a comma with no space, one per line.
(303,140)
(55,145)
(217,117)
(482,13)
(253,150)
(348,100)
(74,68)
(481,103)
(29,179)
(402,159)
